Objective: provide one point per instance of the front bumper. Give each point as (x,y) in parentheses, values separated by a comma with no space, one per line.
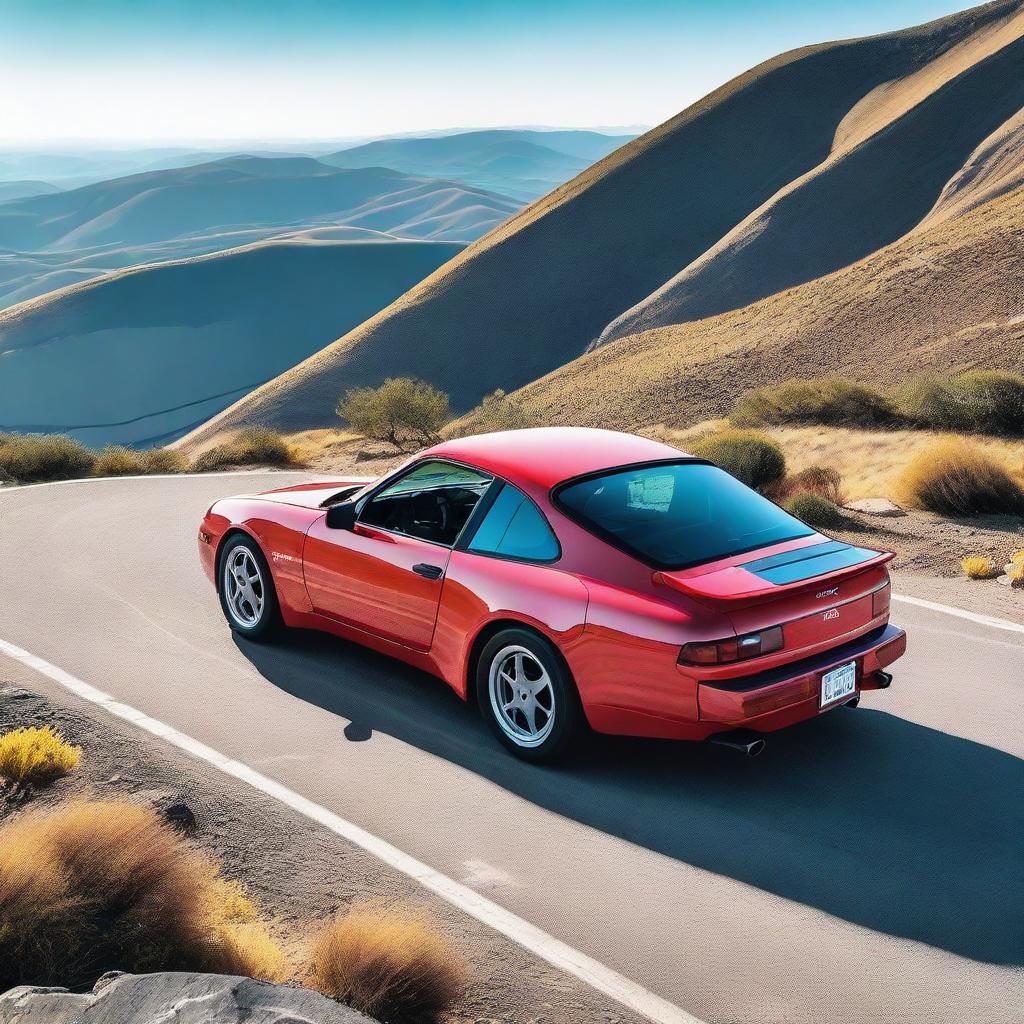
(782,696)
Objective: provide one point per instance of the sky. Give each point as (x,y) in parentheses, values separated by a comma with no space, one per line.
(151,71)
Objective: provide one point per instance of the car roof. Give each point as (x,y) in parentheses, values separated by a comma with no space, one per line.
(545,456)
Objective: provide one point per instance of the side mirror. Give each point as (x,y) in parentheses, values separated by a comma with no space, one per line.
(341,516)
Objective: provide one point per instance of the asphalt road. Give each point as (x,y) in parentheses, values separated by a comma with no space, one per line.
(868,867)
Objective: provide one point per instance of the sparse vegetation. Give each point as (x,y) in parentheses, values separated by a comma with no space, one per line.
(749,456)
(979,401)
(821,480)
(252,446)
(36,458)
(831,400)
(390,964)
(402,412)
(116,460)
(33,756)
(93,886)
(815,511)
(978,567)
(164,460)
(497,411)
(954,477)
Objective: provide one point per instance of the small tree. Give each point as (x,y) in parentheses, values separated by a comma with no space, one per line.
(497,411)
(403,411)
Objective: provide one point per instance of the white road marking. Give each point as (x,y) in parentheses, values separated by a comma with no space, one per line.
(554,951)
(960,613)
(17,488)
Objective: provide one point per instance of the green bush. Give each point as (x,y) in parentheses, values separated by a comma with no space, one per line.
(750,457)
(956,478)
(403,411)
(834,401)
(979,401)
(498,411)
(253,446)
(34,458)
(815,511)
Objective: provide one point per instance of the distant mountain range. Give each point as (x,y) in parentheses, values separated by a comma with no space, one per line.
(882,162)
(518,163)
(141,355)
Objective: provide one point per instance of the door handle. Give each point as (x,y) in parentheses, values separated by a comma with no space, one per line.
(432,572)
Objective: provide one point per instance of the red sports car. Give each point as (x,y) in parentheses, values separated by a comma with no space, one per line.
(565,578)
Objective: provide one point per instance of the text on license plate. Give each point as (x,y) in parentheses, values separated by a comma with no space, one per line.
(840,682)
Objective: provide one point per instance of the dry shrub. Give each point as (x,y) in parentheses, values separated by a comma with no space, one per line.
(753,458)
(33,756)
(821,480)
(815,511)
(253,446)
(831,400)
(390,964)
(497,411)
(164,460)
(979,401)
(1018,556)
(96,886)
(35,458)
(117,460)
(1016,574)
(403,411)
(954,477)
(978,567)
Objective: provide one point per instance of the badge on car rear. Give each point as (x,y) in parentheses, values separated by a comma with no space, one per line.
(827,593)
(832,613)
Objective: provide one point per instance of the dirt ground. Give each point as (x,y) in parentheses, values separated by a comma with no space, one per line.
(297,871)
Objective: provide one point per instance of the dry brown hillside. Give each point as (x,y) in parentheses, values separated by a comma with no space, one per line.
(535,292)
(893,156)
(946,297)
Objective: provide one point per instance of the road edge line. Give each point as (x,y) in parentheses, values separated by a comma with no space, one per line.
(961,613)
(555,952)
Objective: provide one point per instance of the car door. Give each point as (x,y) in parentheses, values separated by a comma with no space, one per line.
(385,574)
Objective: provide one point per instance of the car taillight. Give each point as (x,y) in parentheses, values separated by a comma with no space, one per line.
(734,648)
(880,601)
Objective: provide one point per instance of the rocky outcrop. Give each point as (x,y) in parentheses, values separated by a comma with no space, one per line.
(181,998)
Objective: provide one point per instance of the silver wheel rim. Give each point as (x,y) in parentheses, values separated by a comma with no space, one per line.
(522,697)
(243,587)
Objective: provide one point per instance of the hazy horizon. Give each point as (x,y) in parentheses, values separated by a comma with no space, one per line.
(181,72)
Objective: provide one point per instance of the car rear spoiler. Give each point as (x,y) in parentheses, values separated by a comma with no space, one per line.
(765,578)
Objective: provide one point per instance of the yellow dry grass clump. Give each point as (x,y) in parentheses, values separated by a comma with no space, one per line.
(253,446)
(955,477)
(978,567)
(390,964)
(96,885)
(32,756)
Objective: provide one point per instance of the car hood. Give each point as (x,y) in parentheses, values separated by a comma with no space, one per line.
(315,495)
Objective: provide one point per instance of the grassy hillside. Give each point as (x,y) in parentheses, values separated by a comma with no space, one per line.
(519,163)
(146,353)
(817,137)
(945,297)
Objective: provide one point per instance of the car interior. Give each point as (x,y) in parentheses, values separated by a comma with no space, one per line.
(435,513)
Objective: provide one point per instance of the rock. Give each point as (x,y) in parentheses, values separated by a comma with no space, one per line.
(1005,581)
(181,997)
(170,806)
(15,693)
(876,507)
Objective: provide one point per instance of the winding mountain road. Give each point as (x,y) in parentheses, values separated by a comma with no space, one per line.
(868,867)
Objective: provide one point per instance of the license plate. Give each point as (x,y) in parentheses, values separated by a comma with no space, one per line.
(839,683)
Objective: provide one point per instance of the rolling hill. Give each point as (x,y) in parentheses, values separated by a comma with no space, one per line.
(23,189)
(808,164)
(523,164)
(143,354)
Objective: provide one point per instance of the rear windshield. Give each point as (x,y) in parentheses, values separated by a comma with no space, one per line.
(678,515)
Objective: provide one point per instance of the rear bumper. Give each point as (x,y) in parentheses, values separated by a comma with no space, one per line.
(771,700)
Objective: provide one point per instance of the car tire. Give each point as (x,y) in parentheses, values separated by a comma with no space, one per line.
(254,612)
(528,696)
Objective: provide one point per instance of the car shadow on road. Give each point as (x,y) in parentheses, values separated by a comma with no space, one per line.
(887,824)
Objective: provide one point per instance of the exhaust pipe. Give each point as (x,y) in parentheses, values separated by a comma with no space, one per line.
(883,679)
(743,741)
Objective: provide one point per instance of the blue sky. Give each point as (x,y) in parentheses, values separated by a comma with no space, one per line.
(160,70)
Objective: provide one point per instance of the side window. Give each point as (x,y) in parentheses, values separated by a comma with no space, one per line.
(515,528)
(432,502)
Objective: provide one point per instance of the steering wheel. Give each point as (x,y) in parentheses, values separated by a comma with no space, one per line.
(437,507)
